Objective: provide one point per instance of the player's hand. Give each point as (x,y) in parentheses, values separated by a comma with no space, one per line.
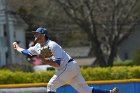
(15,45)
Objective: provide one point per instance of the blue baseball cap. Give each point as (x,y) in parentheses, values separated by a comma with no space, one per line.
(41,30)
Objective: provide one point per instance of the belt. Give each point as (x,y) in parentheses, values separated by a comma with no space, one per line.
(70,60)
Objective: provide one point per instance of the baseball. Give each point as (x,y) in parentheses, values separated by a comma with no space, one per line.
(14,44)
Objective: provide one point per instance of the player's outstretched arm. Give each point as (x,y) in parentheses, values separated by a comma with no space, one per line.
(20,49)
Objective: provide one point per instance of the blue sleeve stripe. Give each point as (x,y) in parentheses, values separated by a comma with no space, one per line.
(58,61)
(26,52)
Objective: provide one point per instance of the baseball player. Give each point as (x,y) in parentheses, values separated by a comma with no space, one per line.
(67,68)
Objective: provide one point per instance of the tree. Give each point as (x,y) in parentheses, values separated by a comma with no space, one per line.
(34,12)
(42,13)
(106,22)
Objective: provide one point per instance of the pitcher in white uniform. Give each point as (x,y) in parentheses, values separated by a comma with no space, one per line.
(67,68)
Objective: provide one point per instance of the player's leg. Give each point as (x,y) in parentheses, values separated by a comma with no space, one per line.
(99,90)
(54,83)
(79,83)
(61,77)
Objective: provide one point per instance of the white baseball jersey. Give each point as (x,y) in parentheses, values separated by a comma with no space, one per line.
(68,71)
(58,53)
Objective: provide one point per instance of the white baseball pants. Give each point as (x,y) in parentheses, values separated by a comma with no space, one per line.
(70,73)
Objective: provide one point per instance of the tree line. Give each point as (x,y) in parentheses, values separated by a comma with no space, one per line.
(106,22)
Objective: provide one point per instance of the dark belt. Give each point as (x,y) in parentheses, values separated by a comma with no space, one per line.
(70,60)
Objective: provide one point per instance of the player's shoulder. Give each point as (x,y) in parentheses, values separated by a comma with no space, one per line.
(52,42)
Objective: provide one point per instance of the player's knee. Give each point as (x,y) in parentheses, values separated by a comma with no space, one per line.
(51,88)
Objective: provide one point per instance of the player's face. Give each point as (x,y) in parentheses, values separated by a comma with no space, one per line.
(37,36)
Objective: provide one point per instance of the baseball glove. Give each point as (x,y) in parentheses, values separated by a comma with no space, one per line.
(46,52)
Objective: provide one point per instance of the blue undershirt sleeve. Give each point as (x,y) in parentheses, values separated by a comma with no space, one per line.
(26,52)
